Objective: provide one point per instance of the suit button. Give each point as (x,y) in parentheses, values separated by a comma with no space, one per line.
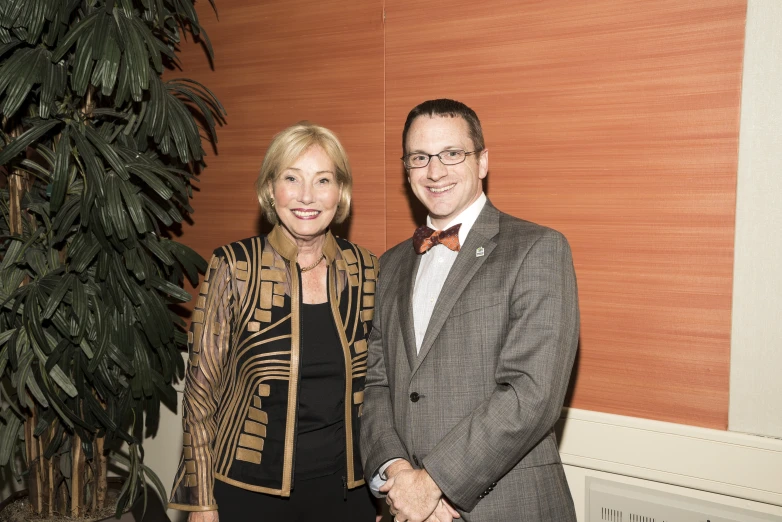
(415,459)
(493,484)
(414,396)
(480,497)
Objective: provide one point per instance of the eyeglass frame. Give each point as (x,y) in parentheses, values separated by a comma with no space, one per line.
(466,153)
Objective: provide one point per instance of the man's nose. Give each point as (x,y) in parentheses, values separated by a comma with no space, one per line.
(436,169)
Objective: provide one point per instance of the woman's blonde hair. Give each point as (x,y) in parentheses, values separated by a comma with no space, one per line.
(288,146)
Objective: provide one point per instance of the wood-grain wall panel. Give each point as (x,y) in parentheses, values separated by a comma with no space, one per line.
(616,123)
(278,62)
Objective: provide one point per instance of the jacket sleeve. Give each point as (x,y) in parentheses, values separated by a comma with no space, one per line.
(207,345)
(379,439)
(532,374)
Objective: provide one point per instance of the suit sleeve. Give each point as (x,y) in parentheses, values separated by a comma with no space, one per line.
(379,439)
(208,344)
(532,374)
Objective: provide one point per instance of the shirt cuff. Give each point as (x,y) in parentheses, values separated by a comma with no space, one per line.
(379,479)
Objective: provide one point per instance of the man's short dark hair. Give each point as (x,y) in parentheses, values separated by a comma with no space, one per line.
(450,109)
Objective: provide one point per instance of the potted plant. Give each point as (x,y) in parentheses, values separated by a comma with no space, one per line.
(98,157)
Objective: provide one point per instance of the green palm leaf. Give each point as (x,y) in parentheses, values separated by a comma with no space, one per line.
(108,153)
(60,171)
(10,435)
(35,132)
(82,27)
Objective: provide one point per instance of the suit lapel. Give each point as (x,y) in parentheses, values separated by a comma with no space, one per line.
(406,322)
(464,268)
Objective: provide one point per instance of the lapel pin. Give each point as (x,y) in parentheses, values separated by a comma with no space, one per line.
(479,252)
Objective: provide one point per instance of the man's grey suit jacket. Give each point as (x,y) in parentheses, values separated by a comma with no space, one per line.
(476,407)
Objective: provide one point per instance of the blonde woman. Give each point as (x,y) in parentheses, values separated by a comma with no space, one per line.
(274,385)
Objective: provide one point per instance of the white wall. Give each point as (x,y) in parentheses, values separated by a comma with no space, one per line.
(733,469)
(162,453)
(756,344)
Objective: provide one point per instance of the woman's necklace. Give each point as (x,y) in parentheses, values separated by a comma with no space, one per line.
(313,265)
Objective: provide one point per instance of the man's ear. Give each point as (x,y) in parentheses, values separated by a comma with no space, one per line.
(483,164)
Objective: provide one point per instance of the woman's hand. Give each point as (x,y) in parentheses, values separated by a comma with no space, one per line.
(203,516)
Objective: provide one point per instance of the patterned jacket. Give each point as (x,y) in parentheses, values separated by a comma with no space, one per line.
(241,389)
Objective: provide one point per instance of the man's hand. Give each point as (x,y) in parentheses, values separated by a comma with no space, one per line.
(444,512)
(396,467)
(412,494)
(203,516)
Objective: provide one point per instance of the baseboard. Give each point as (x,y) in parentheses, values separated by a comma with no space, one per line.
(721,462)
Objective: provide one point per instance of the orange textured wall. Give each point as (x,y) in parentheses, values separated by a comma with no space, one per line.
(614,122)
(276,63)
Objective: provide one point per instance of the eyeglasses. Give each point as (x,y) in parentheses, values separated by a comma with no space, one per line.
(419,160)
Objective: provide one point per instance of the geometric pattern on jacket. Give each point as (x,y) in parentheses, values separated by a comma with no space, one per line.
(241,387)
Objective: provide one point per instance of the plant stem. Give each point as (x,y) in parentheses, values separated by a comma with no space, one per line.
(50,475)
(101,477)
(76,477)
(34,485)
(16,190)
(43,475)
(89,104)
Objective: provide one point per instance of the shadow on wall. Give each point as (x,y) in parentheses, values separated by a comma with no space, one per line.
(155,510)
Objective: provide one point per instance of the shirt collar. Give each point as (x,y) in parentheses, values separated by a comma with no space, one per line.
(467,218)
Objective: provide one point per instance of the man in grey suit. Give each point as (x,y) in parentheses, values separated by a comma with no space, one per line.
(474,336)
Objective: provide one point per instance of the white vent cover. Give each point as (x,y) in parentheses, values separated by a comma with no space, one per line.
(608,501)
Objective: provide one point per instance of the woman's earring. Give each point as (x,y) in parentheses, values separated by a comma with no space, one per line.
(272,202)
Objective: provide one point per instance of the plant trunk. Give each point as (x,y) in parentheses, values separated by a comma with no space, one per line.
(77,478)
(34,482)
(54,478)
(62,493)
(36,478)
(47,466)
(43,474)
(101,485)
(16,186)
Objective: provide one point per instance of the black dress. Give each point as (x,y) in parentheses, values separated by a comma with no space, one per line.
(319,491)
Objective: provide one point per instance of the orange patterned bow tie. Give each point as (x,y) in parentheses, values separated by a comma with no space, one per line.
(425,238)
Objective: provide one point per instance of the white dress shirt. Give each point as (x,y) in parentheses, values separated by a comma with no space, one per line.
(433,270)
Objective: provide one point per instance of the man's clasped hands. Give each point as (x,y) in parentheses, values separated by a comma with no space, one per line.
(412,495)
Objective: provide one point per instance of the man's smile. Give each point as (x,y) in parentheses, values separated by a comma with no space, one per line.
(440,190)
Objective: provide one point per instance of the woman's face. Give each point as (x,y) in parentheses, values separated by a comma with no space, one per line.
(306,195)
